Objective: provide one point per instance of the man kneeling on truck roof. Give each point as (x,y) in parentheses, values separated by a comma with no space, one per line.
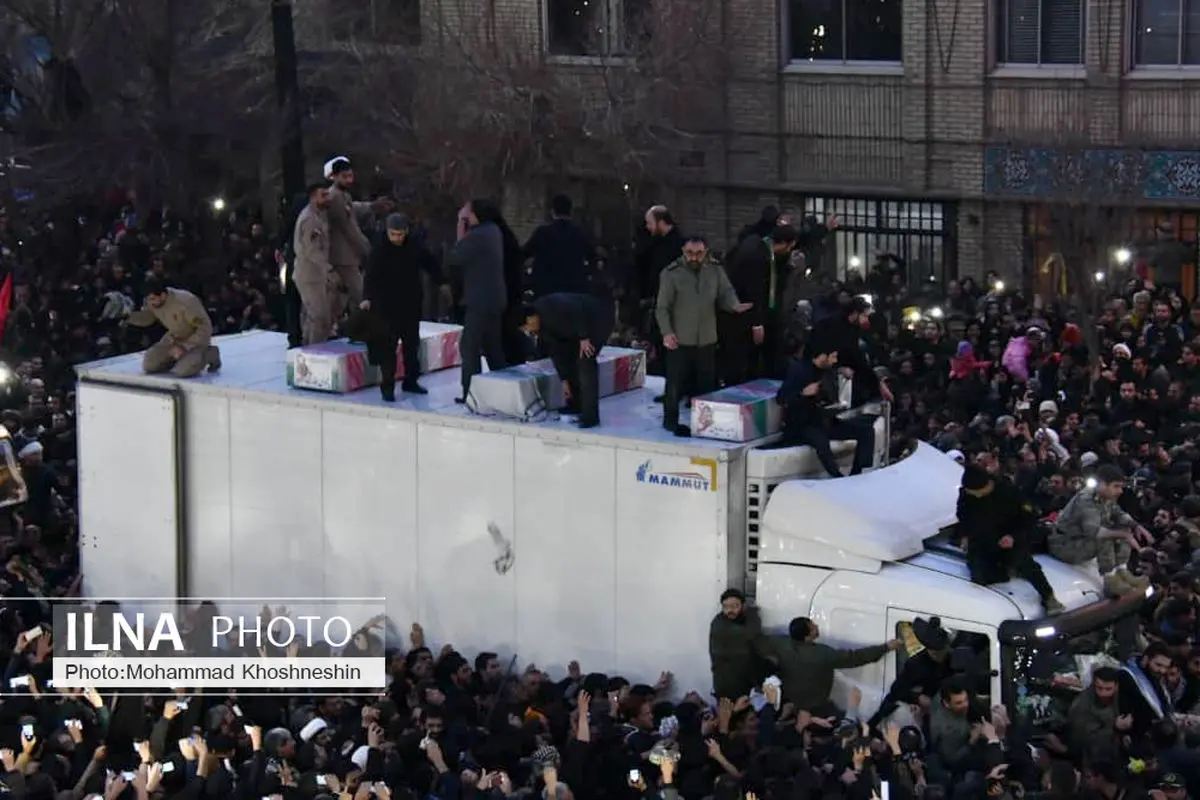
(993,520)
(186,348)
(806,667)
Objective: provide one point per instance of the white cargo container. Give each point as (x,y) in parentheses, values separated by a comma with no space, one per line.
(610,546)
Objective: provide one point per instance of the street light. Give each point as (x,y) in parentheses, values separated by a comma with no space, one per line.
(855,262)
(1122,255)
(1099,276)
(218,204)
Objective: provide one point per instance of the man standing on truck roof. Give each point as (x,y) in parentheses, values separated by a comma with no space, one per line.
(477,265)
(348,245)
(574,327)
(994,520)
(736,647)
(187,346)
(806,667)
(690,289)
(312,273)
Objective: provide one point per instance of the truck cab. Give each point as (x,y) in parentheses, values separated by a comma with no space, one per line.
(864,557)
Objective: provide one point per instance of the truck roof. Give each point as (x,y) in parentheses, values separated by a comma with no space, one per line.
(254,365)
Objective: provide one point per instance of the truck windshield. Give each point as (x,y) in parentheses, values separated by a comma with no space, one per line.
(1046,664)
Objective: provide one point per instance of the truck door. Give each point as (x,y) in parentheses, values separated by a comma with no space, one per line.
(980,638)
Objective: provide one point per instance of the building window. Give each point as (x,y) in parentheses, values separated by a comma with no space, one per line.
(595,28)
(1040,32)
(920,233)
(1166,33)
(846,31)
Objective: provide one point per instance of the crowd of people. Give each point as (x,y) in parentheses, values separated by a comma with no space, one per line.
(1085,455)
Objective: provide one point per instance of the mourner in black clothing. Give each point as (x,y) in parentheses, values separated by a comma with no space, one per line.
(845,331)
(923,674)
(808,396)
(660,246)
(574,327)
(994,520)
(562,253)
(752,344)
(392,293)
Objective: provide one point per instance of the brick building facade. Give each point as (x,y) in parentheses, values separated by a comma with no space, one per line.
(938,130)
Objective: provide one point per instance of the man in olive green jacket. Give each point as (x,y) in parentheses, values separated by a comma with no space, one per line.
(806,667)
(690,290)
(736,646)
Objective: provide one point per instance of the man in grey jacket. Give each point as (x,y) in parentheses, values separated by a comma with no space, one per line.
(690,290)
(477,265)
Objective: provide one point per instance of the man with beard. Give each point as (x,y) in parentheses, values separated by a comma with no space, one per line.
(735,646)
(393,293)
(348,245)
(662,245)
(1141,694)
(996,519)
(1094,717)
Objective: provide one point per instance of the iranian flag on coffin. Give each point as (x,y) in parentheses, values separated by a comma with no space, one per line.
(439,348)
(339,367)
(621,369)
(738,413)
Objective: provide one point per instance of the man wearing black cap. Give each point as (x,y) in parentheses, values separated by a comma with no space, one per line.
(575,327)
(393,292)
(187,347)
(923,674)
(995,520)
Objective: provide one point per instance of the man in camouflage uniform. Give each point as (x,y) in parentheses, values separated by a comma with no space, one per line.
(1092,525)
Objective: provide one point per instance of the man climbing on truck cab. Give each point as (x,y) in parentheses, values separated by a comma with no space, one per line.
(736,647)
(806,667)
(994,520)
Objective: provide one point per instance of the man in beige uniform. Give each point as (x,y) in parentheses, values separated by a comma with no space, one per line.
(348,245)
(187,347)
(312,273)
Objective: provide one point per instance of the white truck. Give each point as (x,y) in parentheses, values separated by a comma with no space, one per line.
(610,546)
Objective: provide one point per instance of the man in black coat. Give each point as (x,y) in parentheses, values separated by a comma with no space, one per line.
(808,396)
(994,521)
(845,331)
(574,327)
(392,292)
(756,272)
